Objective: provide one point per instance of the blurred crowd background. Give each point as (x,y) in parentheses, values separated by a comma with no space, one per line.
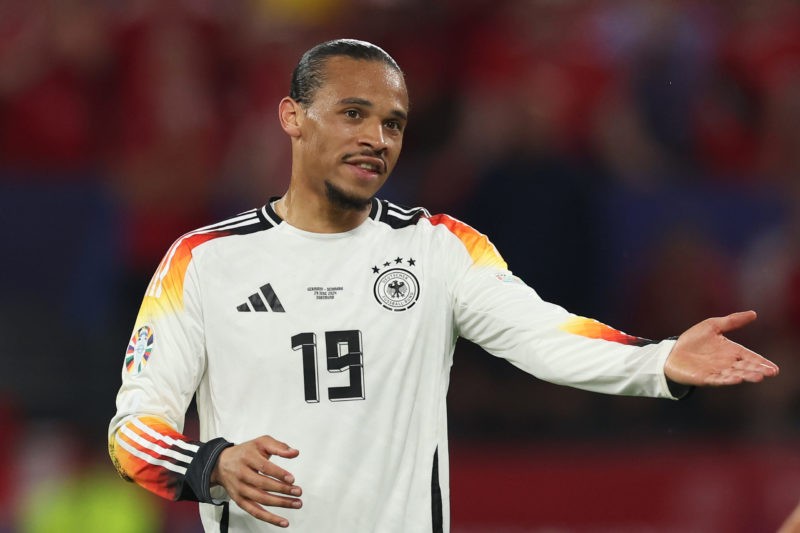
(636,162)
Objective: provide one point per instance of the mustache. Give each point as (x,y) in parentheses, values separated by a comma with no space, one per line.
(367,155)
(364,153)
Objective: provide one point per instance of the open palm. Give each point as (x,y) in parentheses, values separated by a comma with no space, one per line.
(704,356)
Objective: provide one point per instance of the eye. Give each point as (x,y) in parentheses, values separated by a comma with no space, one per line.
(394,125)
(352,113)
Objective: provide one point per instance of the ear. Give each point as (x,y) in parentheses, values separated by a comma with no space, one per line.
(291,115)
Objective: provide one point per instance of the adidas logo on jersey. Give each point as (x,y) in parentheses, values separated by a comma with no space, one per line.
(256,303)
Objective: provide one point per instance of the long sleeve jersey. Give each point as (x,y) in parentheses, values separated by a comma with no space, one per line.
(340,345)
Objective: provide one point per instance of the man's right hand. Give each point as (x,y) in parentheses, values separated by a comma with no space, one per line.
(253,481)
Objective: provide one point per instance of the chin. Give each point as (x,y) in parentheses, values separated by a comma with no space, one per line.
(346,200)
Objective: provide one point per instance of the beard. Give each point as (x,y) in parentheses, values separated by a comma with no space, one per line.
(343,200)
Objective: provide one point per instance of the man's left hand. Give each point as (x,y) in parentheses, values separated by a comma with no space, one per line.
(704,356)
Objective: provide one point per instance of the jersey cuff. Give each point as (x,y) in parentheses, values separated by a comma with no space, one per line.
(197,482)
(678,391)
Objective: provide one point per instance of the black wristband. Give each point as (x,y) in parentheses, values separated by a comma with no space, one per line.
(679,390)
(197,481)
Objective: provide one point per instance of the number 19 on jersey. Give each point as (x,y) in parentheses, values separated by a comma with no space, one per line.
(343,353)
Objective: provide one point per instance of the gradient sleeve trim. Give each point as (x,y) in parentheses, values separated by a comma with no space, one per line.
(152,453)
(170,273)
(592,329)
(479,247)
(508,319)
(169,277)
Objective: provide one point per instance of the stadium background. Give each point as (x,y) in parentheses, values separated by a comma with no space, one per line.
(637,162)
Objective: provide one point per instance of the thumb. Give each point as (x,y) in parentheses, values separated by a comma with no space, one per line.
(735,320)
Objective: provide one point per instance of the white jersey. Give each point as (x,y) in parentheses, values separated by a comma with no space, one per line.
(340,345)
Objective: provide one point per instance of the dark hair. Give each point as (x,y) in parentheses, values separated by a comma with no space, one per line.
(308,75)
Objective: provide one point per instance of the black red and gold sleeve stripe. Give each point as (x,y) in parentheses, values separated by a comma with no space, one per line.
(149,451)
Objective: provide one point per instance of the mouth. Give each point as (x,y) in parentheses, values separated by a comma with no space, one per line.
(371,165)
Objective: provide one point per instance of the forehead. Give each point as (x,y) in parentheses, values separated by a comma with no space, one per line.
(375,81)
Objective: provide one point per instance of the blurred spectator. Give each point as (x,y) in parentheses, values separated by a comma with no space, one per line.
(169,131)
(54,67)
(643,133)
(57,220)
(529,73)
(255,163)
(762,53)
(780,153)
(725,129)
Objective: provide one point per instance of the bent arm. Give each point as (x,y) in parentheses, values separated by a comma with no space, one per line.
(162,368)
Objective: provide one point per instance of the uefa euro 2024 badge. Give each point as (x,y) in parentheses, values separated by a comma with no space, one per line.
(139,349)
(396,288)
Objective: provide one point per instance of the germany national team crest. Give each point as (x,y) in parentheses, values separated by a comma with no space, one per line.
(396,288)
(139,349)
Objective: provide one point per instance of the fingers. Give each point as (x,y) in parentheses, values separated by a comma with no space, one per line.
(270,446)
(263,481)
(262,465)
(739,373)
(756,364)
(256,489)
(262,514)
(749,360)
(253,481)
(255,456)
(256,494)
(252,500)
(262,474)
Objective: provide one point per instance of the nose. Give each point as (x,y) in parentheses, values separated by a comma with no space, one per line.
(373,136)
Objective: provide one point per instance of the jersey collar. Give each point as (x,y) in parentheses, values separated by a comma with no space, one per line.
(268,211)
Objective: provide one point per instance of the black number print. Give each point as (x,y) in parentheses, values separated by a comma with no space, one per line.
(343,353)
(307,342)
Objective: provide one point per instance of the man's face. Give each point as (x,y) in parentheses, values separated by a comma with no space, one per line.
(352,132)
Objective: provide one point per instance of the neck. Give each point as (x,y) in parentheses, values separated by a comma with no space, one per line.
(318,215)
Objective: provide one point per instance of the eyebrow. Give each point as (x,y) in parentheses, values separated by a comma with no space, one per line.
(354,100)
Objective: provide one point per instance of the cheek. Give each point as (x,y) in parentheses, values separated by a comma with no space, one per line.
(317,147)
(395,152)
(327,139)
